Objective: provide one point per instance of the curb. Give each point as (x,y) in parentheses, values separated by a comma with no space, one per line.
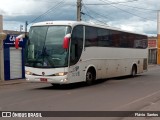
(11,82)
(152,65)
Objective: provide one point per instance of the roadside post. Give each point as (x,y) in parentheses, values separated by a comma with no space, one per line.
(158,40)
(2,37)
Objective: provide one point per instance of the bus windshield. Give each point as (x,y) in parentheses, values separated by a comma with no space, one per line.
(45,47)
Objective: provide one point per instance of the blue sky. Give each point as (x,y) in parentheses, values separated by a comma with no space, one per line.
(132,15)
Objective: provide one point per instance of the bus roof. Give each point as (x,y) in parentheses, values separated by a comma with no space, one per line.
(74,23)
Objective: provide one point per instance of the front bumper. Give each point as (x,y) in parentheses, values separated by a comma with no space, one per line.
(48,79)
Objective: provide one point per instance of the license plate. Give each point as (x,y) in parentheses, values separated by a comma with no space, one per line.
(43,79)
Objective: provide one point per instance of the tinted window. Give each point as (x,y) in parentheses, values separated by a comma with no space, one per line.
(76,44)
(115,37)
(124,40)
(91,36)
(127,40)
(131,39)
(140,42)
(103,38)
(112,38)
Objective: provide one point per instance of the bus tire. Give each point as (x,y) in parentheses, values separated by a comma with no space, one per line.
(134,71)
(90,76)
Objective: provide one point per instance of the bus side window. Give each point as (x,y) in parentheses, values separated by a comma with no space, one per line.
(103,38)
(91,36)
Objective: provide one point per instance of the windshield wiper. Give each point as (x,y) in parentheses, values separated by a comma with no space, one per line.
(44,52)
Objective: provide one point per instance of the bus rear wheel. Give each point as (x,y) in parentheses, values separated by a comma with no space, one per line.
(90,76)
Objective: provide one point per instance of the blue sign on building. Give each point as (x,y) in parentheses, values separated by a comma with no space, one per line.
(14,67)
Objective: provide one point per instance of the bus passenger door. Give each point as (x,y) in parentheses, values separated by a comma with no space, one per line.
(75,64)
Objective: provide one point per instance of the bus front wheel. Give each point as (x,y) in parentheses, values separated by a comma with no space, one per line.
(90,76)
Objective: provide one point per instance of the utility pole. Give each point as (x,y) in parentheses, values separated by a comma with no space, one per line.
(79,6)
(2,37)
(1,23)
(158,38)
(21,28)
(26,24)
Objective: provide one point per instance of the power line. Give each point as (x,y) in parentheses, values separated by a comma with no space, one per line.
(107,15)
(139,7)
(105,1)
(60,14)
(110,3)
(87,14)
(101,15)
(139,10)
(95,18)
(45,1)
(49,10)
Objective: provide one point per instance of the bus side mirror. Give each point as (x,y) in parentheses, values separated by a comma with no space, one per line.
(17,43)
(18,39)
(66,41)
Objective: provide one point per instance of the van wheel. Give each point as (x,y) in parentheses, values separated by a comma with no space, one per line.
(90,77)
(134,71)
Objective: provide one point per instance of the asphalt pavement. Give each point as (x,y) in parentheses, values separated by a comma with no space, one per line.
(116,95)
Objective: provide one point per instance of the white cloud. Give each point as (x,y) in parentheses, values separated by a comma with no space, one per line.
(13,25)
(16,12)
(22,7)
(147,27)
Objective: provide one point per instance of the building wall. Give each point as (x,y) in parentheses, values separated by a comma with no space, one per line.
(1,50)
(152,50)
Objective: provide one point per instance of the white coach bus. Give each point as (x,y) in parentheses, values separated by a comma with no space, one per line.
(63,52)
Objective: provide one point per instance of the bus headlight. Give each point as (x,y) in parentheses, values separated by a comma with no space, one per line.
(28,73)
(61,73)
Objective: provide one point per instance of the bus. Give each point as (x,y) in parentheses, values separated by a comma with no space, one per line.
(64,52)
